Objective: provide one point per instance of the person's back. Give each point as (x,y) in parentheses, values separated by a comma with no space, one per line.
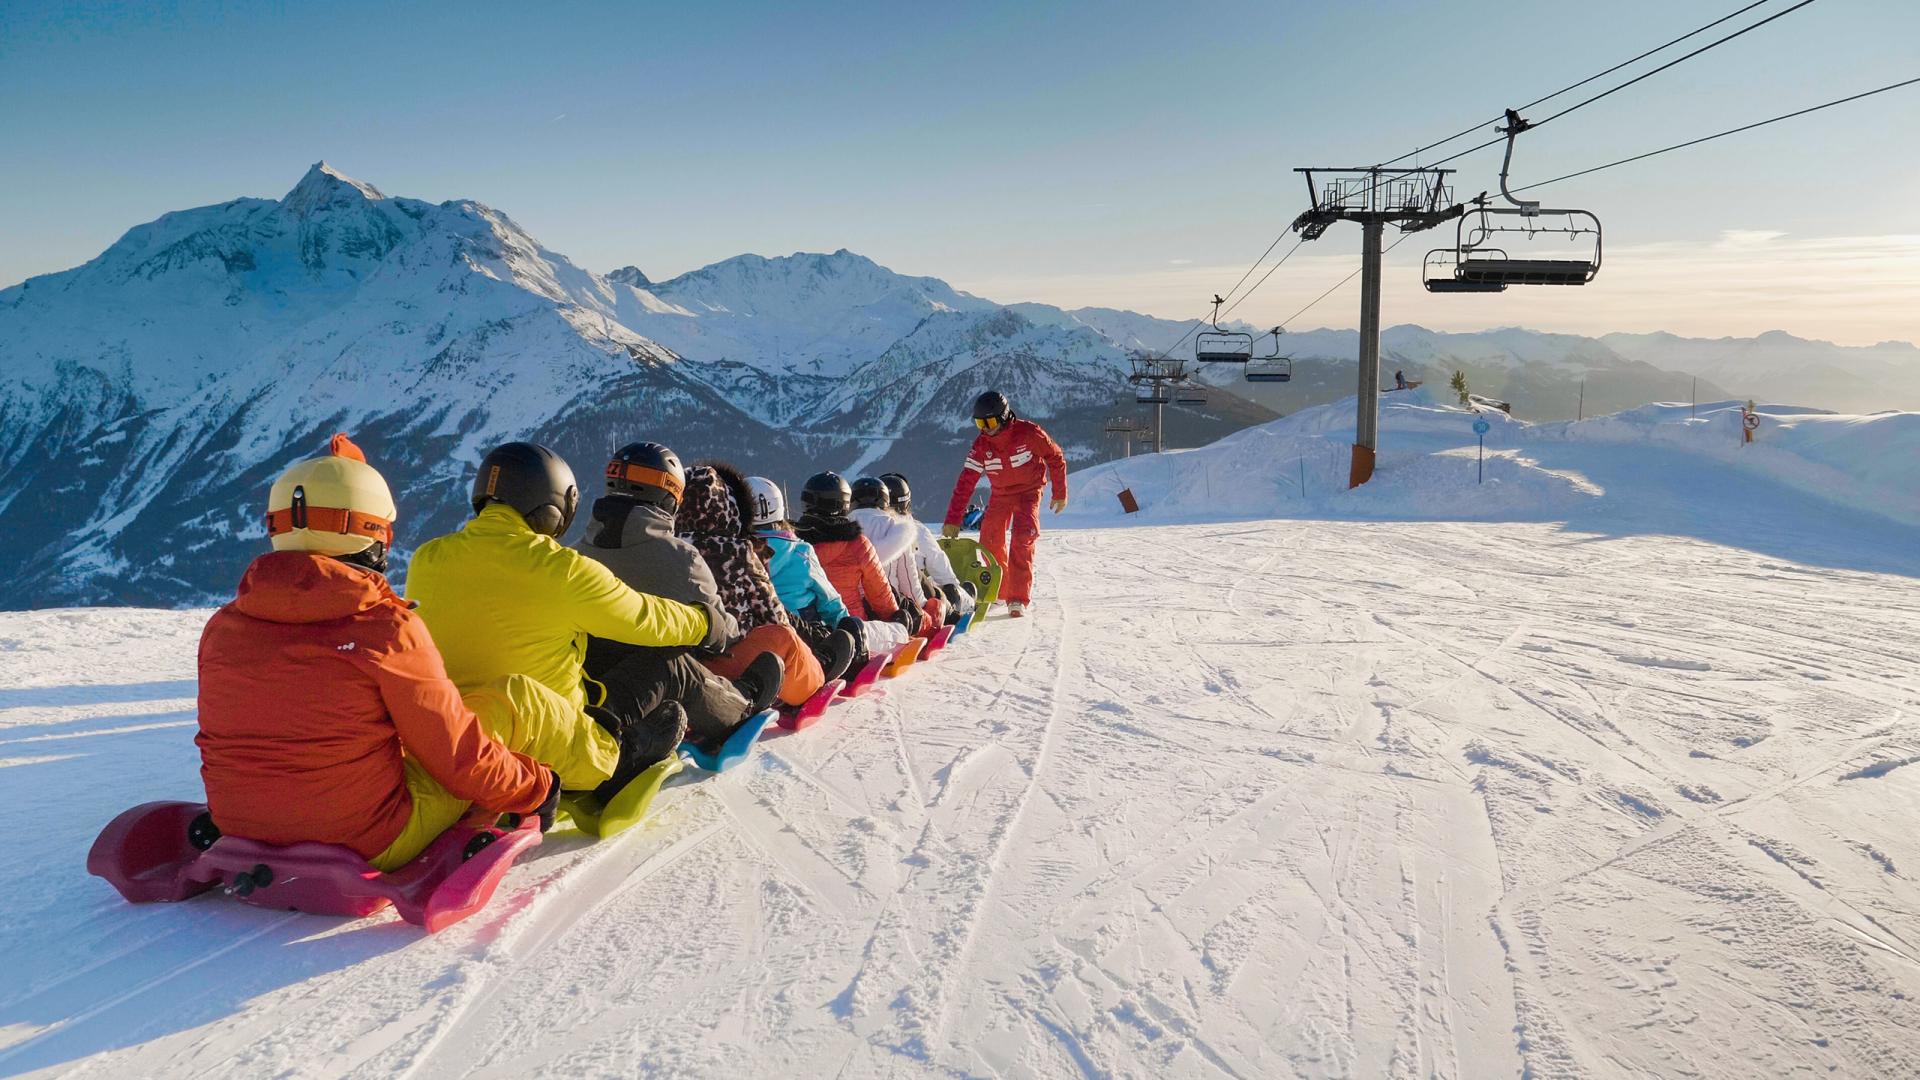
(502,596)
(799,578)
(502,599)
(851,565)
(636,541)
(327,645)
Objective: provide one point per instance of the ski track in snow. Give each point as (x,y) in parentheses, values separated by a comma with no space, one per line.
(1256,799)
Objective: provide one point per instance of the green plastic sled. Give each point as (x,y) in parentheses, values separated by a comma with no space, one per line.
(971,562)
(627,809)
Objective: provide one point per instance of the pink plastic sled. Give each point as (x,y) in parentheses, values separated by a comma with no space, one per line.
(146,854)
(876,665)
(937,642)
(813,708)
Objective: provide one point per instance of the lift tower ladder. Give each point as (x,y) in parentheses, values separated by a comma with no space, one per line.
(1374,196)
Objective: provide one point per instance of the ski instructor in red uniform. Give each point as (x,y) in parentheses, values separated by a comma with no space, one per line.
(1017,457)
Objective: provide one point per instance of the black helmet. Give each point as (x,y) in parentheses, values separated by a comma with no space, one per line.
(647,473)
(900,496)
(533,480)
(870,492)
(826,494)
(992,405)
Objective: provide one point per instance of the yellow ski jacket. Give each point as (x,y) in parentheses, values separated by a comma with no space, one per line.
(501,599)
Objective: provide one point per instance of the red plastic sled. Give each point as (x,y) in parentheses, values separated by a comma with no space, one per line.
(938,641)
(146,855)
(813,708)
(870,674)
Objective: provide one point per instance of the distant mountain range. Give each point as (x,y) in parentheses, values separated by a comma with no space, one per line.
(148,397)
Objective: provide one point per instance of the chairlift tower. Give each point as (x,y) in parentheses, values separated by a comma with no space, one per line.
(1375,196)
(1154,379)
(1126,429)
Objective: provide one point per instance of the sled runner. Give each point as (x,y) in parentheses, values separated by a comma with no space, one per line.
(971,562)
(905,658)
(870,674)
(734,750)
(626,809)
(798,719)
(149,855)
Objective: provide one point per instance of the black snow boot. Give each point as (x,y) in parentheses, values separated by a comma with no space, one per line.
(760,683)
(644,743)
(837,655)
(858,632)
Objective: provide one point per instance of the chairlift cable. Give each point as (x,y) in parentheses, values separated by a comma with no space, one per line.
(1721,135)
(1582,82)
(1678,60)
(1497,140)
(1263,278)
(1338,284)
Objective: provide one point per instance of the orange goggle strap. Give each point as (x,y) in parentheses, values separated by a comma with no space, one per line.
(328,519)
(641,474)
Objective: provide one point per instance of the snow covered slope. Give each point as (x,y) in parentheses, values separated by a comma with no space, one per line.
(1430,467)
(1630,794)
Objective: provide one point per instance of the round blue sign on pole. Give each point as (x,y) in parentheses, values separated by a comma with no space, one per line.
(1481,427)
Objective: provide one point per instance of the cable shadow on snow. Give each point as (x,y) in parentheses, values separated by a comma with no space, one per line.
(12,697)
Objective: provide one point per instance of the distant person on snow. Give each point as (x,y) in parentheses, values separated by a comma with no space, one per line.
(325,711)
(931,561)
(1399,380)
(894,543)
(1018,459)
(502,596)
(850,563)
(631,531)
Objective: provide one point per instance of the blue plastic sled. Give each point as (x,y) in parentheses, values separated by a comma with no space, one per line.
(735,750)
(961,624)
(973,516)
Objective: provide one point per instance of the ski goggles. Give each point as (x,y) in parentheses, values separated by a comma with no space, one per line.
(987,423)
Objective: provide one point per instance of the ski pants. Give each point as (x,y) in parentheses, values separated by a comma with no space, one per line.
(529,719)
(639,679)
(803,674)
(1020,515)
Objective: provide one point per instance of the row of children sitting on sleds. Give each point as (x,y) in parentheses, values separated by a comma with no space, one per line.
(516,668)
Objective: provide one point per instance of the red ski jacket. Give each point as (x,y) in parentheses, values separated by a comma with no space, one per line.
(1016,460)
(312,683)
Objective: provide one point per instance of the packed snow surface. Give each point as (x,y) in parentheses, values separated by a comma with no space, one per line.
(1622,786)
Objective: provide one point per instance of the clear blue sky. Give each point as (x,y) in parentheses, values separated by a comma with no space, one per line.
(1137,155)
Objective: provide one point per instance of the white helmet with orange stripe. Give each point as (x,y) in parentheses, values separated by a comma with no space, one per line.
(332,505)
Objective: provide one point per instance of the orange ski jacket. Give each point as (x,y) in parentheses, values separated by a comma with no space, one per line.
(1019,459)
(851,564)
(313,683)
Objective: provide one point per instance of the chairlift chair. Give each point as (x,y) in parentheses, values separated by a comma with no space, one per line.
(1479,262)
(1271,367)
(1217,346)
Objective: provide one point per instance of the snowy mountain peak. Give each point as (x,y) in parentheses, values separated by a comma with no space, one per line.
(630,275)
(325,186)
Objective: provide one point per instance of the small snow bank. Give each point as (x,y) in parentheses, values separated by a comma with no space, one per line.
(1297,467)
(1868,462)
